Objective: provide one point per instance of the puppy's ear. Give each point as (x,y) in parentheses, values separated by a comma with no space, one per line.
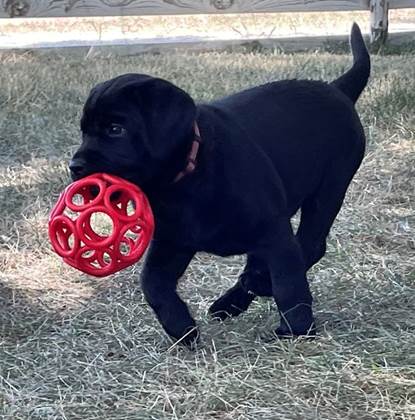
(168,114)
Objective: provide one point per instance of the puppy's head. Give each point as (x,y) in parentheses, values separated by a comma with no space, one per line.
(137,127)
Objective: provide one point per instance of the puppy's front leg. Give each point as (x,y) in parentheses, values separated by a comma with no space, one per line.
(164,265)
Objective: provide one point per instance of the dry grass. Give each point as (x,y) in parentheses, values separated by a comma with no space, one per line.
(74,347)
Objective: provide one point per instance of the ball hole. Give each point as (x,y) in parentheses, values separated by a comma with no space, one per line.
(85,195)
(73,215)
(133,233)
(88,254)
(93,191)
(106,258)
(101,224)
(71,241)
(125,248)
(78,199)
(130,239)
(115,197)
(131,206)
(122,202)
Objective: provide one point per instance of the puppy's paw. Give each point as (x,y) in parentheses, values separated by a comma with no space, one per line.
(284,332)
(230,305)
(222,314)
(235,301)
(256,282)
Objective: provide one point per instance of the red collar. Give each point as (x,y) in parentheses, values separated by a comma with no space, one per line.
(191,158)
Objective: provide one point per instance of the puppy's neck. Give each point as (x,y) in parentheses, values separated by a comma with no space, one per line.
(191,161)
(179,166)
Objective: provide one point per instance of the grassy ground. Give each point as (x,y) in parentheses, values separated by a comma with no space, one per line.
(74,347)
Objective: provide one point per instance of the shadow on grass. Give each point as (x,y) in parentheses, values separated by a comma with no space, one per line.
(19,317)
(23,197)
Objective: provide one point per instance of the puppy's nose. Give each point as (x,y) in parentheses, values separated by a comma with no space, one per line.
(77,167)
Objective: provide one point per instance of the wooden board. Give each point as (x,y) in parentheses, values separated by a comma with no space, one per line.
(74,8)
(78,8)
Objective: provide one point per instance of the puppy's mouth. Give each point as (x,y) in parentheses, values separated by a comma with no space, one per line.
(94,190)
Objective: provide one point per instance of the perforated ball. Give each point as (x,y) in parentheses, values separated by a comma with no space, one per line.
(79,235)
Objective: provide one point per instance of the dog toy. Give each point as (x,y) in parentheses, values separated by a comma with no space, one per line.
(73,233)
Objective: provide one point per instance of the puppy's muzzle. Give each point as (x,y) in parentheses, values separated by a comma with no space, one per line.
(78,168)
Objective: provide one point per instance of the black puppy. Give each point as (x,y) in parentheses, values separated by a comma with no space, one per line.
(262,155)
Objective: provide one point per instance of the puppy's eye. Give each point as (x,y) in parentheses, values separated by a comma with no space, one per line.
(115,130)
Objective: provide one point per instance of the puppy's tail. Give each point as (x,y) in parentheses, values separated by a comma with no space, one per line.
(354,80)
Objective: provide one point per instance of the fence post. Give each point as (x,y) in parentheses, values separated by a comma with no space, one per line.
(379,21)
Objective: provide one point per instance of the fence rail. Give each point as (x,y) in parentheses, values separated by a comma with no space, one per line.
(87,8)
(77,8)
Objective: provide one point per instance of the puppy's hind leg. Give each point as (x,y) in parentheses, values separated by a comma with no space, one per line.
(289,283)
(319,211)
(314,227)
(254,281)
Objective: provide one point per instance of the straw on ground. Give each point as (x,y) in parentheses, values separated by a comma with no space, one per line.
(75,347)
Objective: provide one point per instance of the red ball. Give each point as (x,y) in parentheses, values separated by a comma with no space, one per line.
(97,253)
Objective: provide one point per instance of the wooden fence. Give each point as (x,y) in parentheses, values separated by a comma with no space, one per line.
(81,8)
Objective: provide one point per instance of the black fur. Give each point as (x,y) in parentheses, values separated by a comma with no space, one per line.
(266,153)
